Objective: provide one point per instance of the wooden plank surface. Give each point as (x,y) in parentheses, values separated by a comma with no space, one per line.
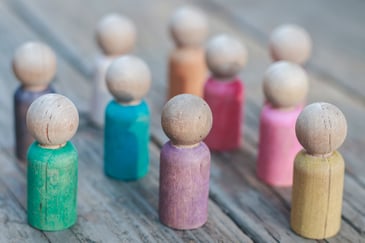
(240,205)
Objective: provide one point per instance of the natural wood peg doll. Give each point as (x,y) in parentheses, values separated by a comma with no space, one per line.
(318,172)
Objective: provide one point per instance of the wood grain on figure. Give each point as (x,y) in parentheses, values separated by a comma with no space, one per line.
(34,64)
(318,172)
(185,163)
(127,119)
(115,35)
(285,87)
(290,43)
(224,92)
(187,68)
(52,120)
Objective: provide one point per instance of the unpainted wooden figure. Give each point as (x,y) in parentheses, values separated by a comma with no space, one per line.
(224,91)
(318,172)
(291,43)
(34,65)
(52,119)
(127,119)
(187,68)
(116,35)
(185,163)
(285,86)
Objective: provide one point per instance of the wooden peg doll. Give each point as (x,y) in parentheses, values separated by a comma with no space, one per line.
(116,36)
(34,65)
(185,163)
(224,91)
(187,68)
(127,119)
(318,172)
(285,87)
(52,119)
(290,43)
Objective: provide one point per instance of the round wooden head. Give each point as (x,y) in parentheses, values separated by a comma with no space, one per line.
(128,79)
(291,43)
(188,27)
(34,64)
(52,119)
(186,119)
(285,84)
(116,34)
(225,56)
(321,128)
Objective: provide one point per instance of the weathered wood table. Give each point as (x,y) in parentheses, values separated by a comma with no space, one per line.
(241,209)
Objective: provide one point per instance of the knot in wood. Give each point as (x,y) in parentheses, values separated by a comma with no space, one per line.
(52,119)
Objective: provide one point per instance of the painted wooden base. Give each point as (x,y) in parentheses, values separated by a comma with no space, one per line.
(187,72)
(225,100)
(101,95)
(126,141)
(52,187)
(278,145)
(184,186)
(317,195)
(22,100)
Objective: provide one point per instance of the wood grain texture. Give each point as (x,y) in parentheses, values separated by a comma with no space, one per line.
(52,187)
(233,184)
(184,186)
(317,195)
(126,209)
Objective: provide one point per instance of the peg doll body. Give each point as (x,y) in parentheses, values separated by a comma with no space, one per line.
(185,163)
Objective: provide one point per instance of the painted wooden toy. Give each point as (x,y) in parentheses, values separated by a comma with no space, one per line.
(224,92)
(318,172)
(116,36)
(290,43)
(127,119)
(52,119)
(34,65)
(185,163)
(285,87)
(187,68)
